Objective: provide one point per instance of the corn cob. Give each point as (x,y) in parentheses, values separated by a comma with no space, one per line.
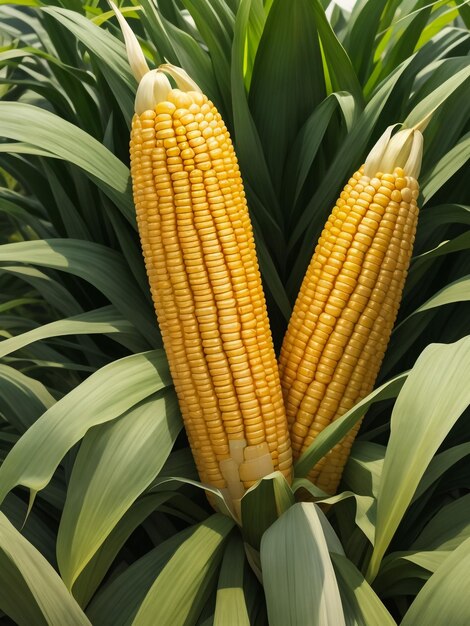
(201,263)
(349,299)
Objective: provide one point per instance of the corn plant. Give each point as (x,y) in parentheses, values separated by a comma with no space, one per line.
(103,516)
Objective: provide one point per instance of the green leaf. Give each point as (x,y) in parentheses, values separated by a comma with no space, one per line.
(31,591)
(96,569)
(458,291)
(403,573)
(270,274)
(105,320)
(230,606)
(287,82)
(22,399)
(117,603)
(433,217)
(444,598)
(400,40)
(439,465)
(51,290)
(361,33)
(102,397)
(445,168)
(430,402)
(94,263)
(116,462)
(22,147)
(37,529)
(217,40)
(262,504)
(298,577)
(437,97)
(447,529)
(365,505)
(248,145)
(307,143)
(436,25)
(337,64)
(193,567)
(46,131)
(362,607)
(421,263)
(345,162)
(364,467)
(110,54)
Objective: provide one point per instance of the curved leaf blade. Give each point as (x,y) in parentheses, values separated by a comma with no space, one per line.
(444,598)
(116,462)
(102,397)
(432,399)
(31,591)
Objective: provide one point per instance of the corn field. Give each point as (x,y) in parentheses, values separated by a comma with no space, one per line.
(282,447)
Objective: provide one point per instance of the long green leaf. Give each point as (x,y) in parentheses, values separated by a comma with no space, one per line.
(43,129)
(193,567)
(230,607)
(335,431)
(437,97)
(440,464)
(458,291)
(443,600)
(288,50)
(118,602)
(105,395)
(94,263)
(362,607)
(116,463)
(96,569)
(338,65)
(105,321)
(51,290)
(31,591)
(22,399)
(446,168)
(431,401)
(247,141)
(109,53)
(307,143)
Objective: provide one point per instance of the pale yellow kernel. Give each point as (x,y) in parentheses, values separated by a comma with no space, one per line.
(406,194)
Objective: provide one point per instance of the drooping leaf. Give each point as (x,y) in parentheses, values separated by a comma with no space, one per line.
(43,129)
(105,320)
(31,591)
(94,263)
(105,395)
(22,398)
